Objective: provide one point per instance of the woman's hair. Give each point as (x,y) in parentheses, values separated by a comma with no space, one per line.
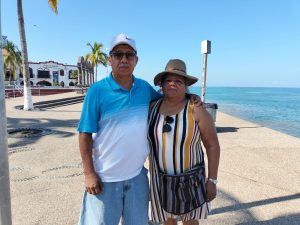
(187,90)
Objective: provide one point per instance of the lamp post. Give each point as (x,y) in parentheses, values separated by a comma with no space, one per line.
(210,107)
(5,206)
(205,49)
(107,50)
(66,77)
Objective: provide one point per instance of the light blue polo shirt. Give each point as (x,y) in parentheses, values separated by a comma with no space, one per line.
(118,119)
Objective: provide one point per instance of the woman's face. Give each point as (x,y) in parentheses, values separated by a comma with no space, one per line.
(174,86)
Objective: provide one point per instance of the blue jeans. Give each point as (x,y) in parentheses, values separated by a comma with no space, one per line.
(125,199)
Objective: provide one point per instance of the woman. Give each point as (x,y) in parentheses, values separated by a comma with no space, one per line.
(176,129)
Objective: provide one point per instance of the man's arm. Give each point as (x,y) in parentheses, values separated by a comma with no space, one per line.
(92,180)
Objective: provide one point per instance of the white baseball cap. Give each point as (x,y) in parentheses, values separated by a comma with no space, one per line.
(122,39)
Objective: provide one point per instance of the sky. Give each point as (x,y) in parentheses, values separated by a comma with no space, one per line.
(255,43)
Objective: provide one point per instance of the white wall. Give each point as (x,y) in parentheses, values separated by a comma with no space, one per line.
(52,67)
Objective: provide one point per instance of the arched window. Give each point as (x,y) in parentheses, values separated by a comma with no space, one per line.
(30,72)
(73,74)
(61,72)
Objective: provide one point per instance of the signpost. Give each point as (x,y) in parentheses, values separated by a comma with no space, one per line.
(210,107)
(5,206)
(205,49)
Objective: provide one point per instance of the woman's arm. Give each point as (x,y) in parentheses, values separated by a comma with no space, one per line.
(211,143)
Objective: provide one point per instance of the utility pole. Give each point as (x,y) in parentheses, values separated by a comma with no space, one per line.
(5,206)
(205,49)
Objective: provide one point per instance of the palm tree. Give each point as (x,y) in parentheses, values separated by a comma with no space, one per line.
(12,58)
(28,105)
(97,56)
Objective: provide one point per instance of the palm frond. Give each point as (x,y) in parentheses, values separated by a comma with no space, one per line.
(12,57)
(53,4)
(89,44)
(87,56)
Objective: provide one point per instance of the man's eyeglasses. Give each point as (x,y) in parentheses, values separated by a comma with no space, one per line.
(120,55)
(167,127)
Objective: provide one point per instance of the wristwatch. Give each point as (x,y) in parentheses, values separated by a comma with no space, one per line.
(213,181)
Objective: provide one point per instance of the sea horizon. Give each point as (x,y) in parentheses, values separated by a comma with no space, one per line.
(277,108)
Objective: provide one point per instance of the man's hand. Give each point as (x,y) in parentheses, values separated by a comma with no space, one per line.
(93,183)
(196,100)
(211,191)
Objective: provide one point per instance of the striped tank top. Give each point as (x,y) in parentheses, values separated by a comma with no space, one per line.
(178,149)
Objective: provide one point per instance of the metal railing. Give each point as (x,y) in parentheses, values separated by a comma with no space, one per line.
(16,90)
(19,88)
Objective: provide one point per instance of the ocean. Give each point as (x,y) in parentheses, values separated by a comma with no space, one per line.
(275,108)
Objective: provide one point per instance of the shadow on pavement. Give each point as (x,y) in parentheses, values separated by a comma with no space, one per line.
(256,203)
(230,211)
(227,129)
(290,219)
(55,125)
(233,129)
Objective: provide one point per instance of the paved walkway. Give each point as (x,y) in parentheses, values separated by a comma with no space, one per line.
(259,170)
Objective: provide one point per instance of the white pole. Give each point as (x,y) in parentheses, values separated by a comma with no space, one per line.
(5,205)
(205,50)
(204,77)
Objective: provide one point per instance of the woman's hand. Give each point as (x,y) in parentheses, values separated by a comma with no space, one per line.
(211,191)
(93,184)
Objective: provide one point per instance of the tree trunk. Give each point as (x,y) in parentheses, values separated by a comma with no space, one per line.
(28,105)
(5,202)
(96,73)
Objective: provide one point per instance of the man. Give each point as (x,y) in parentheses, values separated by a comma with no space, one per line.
(116,109)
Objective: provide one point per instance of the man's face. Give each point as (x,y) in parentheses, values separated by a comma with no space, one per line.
(122,60)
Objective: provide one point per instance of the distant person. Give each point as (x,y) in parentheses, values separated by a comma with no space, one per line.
(175,132)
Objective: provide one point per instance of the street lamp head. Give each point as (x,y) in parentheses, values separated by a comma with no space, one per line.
(206,47)
(3,41)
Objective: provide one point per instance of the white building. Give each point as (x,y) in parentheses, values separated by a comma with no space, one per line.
(46,74)
(51,74)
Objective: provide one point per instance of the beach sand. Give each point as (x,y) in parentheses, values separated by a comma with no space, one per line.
(258,176)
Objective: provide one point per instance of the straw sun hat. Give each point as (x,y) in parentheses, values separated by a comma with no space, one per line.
(175,67)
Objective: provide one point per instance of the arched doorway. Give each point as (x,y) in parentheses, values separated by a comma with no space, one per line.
(9,76)
(44,83)
(22,83)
